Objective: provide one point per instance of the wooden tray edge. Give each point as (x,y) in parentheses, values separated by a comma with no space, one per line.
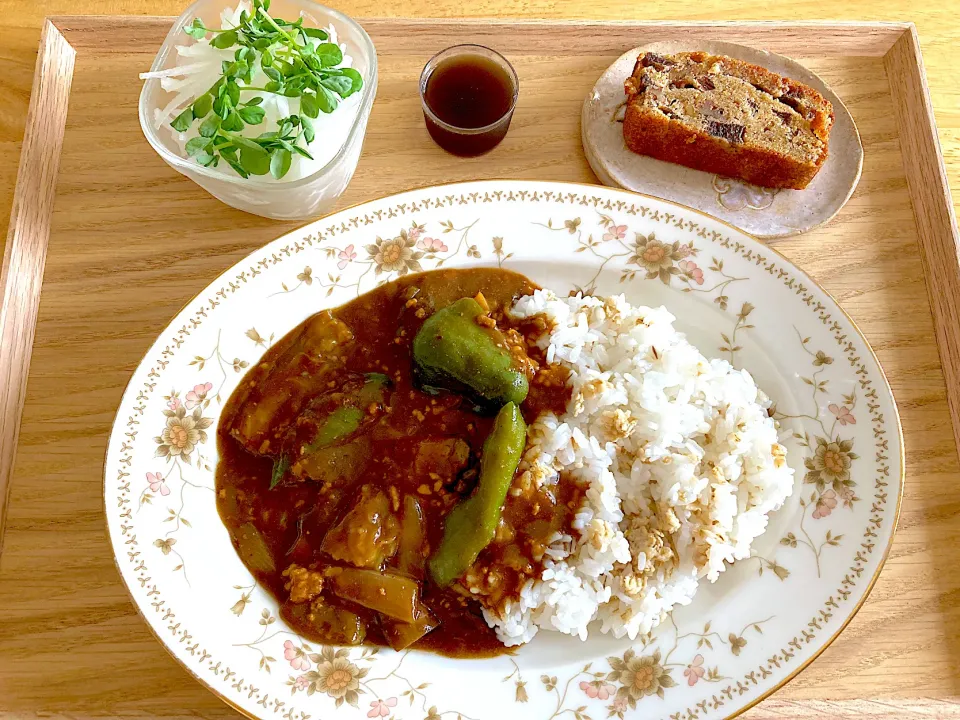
(932,205)
(868,37)
(27,236)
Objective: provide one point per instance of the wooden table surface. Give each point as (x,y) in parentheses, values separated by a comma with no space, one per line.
(920,678)
(938,26)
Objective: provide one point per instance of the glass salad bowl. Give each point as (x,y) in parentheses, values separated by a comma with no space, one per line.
(311,187)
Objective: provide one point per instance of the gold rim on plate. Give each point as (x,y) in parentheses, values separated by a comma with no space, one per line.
(615,190)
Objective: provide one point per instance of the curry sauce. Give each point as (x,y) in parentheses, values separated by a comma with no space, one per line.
(339,465)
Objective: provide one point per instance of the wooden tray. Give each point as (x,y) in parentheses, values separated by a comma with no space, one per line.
(121,242)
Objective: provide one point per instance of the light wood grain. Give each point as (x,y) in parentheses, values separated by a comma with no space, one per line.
(26,247)
(131,241)
(938,28)
(791,38)
(930,192)
(886,709)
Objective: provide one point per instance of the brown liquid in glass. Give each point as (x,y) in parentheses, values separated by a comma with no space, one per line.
(468,91)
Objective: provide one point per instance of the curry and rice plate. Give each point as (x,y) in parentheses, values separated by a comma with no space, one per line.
(493,460)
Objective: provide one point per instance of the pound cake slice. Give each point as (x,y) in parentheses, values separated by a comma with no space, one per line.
(726,116)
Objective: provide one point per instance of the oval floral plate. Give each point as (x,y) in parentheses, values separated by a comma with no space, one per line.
(740,639)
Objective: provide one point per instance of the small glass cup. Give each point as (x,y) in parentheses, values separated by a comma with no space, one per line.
(467,141)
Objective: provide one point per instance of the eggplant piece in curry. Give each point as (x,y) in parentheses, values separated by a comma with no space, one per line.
(368,464)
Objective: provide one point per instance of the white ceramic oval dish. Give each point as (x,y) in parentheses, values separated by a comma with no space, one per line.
(741,638)
(762,212)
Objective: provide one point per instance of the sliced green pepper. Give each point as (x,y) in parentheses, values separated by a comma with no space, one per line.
(280,468)
(394,596)
(453,351)
(410,543)
(339,424)
(471,525)
(376,379)
(334,624)
(345,421)
(253,549)
(402,635)
(336,465)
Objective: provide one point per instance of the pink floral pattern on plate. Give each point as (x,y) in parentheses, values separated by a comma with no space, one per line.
(705,661)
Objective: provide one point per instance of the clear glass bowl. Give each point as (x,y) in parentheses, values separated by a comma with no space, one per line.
(298,199)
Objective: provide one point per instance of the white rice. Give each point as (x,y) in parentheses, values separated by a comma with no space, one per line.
(680,459)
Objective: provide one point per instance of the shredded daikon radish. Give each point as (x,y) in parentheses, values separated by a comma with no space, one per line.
(186,94)
(230,18)
(204,67)
(175,71)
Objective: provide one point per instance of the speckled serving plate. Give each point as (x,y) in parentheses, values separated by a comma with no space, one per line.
(762,212)
(742,637)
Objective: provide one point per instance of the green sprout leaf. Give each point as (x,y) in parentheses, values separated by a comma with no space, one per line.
(233,92)
(308,132)
(255,162)
(241,142)
(340,84)
(224,40)
(280,163)
(197,144)
(238,168)
(252,115)
(210,126)
(196,29)
(329,54)
(309,105)
(232,122)
(183,121)
(221,105)
(356,80)
(202,105)
(327,100)
(298,83)
(300,151)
